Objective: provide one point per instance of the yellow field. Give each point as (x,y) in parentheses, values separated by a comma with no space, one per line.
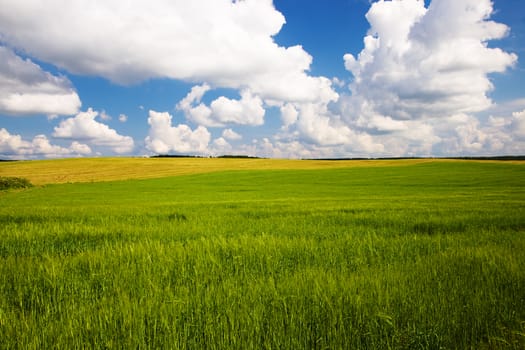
(108,169)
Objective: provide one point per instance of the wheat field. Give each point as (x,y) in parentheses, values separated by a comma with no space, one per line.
(262,254)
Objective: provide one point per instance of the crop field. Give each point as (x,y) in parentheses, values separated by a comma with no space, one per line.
(262,254)
(112,169)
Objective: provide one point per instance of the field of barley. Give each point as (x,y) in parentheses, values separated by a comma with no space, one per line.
(263,254)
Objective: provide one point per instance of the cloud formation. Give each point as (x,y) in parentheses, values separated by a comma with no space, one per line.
(421,85)
(225,43)
(85,128)
(418,86)
(14,147)
(26,89)
(164,138)
(229,134)
(222,111)
(425,63)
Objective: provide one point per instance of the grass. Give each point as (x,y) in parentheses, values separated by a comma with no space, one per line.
(422,255)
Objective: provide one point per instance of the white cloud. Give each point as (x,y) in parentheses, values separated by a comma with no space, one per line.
(194,96)
(164,138)
(222,111)
(11,144)
(26,89)
(283,148)
(420,68)
(318,125)
(84,127)
(505,134)
(423,63)
(417,85)
(223,42)
(220,147)
(80,148)
(122,118)
(338,82)
(193,108)
(323,132)
(40,146)
(229,134)
(248,110)
(104,116)
(14,147)
(460,134)
(221,143)
(383,124)
(289,114)
(518,124)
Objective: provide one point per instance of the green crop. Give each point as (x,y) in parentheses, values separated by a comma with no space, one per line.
(428,255)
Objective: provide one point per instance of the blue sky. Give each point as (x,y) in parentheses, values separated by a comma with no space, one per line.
(283,78)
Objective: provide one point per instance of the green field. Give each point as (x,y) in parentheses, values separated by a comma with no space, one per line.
(365,255)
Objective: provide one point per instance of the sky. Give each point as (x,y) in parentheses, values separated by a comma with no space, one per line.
(278,79)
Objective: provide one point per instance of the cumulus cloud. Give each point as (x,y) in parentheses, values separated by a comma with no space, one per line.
(318,125)
(505,134)
(80,148)
(222,111)
(41,146)
(26,89)
(278,147)
(193,97)
(460,134)
(518,124)
(426,62)
(229,134)
(84,127)
(248,110)
(223,42)
(14,147)
(289,114)
(417,85)
(164,137)
(220,146)
(12,144)
(192,106)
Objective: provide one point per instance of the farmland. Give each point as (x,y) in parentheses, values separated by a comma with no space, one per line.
(241,254)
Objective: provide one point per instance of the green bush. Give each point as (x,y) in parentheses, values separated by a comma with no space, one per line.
(7,183)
